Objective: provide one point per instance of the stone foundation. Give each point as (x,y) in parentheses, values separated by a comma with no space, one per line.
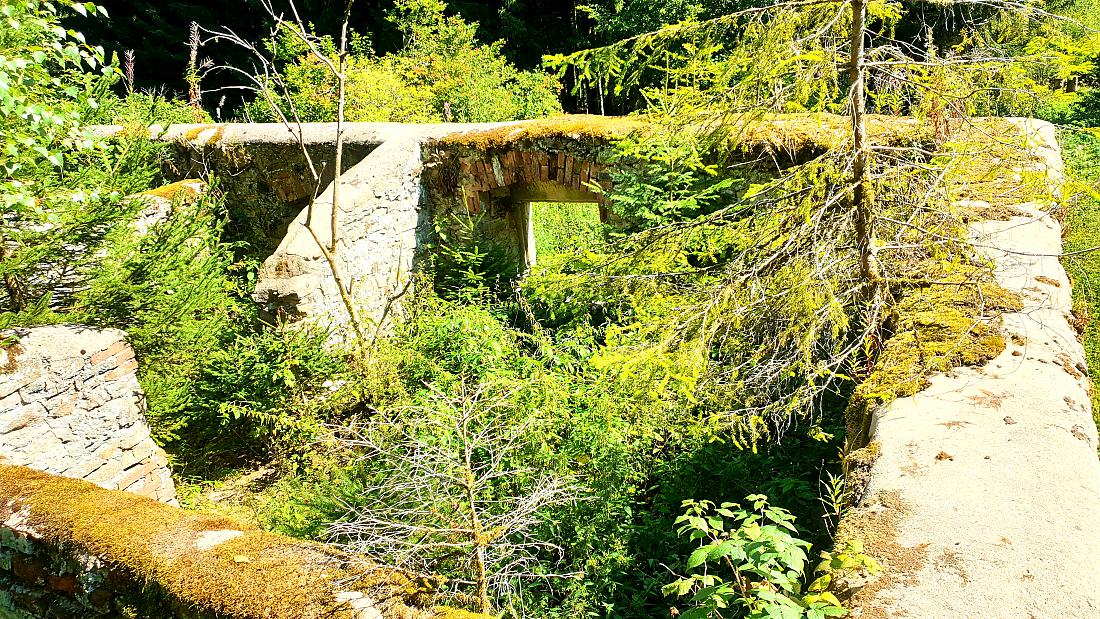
(71,550)
(70,404)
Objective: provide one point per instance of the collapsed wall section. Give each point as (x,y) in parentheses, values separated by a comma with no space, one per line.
(70,404)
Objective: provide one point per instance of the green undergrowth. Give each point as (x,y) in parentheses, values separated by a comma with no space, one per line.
(223,389)
(638,451)
(565,226)
(1081,152)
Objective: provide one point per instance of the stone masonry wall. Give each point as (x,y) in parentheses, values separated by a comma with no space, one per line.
(71,550)
(379,214)
(70,404)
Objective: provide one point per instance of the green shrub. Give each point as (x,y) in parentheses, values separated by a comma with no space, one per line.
(752,564)
(60,186)
(170,290)
(1081,152)
(216,380)
(467,266)
(272,388)
(1085,111)
(565,227)
(441,74)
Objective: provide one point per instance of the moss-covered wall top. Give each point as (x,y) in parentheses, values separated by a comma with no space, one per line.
(71,549)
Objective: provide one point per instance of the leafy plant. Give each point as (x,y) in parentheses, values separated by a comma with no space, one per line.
(274,388)
(169,289)
(663,177)
(565,227)
(60,187)
(749,563)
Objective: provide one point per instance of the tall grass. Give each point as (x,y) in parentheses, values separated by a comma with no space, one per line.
(565,226)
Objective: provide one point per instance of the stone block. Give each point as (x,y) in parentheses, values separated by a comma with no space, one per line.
(125,368)
(133,437)
(111,351)
(19,418)
(30,570)
(16,381)
(134,474)
(66,584)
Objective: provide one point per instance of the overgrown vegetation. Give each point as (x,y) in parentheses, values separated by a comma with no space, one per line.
(1081,151)
(565,227)
(533,442)
(441,74)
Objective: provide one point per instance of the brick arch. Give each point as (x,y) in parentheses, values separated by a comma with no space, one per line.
(510,182)
(533,176)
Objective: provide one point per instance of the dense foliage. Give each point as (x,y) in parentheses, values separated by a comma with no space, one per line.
(577,441)
(1081,151)
(442,73)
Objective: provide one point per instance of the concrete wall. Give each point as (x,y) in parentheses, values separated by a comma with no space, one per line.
(985,498)
(70,404)
(262,172)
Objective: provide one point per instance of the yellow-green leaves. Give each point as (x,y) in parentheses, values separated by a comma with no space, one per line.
(749,560)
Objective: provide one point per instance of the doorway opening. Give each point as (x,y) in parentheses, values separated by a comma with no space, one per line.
(562,227)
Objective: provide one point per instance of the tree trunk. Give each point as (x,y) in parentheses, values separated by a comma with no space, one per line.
(862,192)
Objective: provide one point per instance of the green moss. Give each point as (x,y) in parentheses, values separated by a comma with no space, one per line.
(575,127)
(857,468)
(795,133)
(256,574)
(186,187)
(455,613)
(940,324)
(946,317)
(790,132)
(990,163)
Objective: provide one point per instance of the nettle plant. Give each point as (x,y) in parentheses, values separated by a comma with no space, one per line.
(750,563)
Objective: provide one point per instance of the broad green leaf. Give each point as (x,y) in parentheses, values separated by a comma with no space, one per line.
(698,556)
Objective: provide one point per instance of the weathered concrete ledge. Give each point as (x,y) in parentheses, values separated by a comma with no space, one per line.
(310,134)
(985,498)
(69,549)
